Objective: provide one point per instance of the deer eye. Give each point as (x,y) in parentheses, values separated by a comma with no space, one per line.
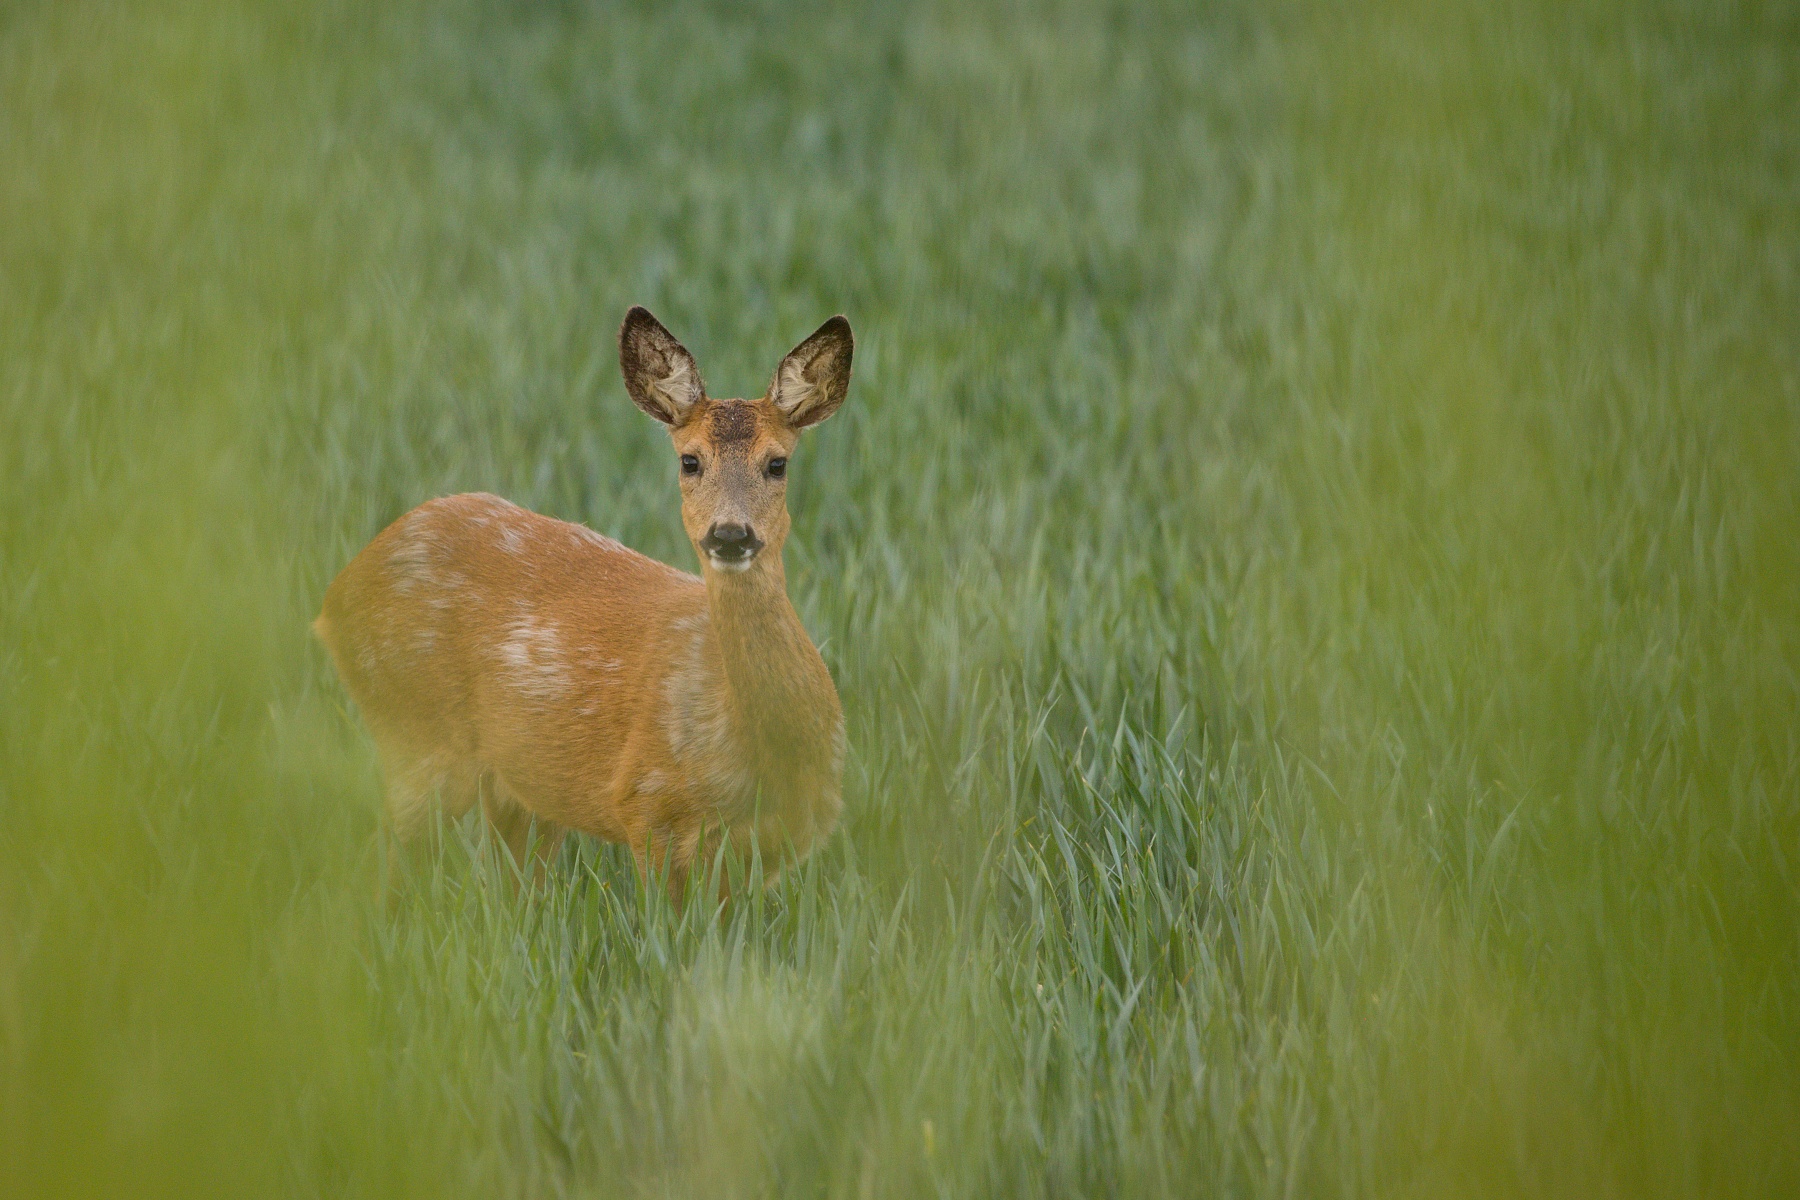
(777,468)
(690,464)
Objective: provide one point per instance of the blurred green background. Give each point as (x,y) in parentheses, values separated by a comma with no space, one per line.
(1309,559)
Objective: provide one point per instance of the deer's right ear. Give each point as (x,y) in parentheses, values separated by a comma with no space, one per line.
(662,377)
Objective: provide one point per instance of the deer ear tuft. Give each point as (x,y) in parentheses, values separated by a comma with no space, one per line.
(661,376)
(814,378)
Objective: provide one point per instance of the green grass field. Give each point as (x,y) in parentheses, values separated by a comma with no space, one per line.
(1311,560)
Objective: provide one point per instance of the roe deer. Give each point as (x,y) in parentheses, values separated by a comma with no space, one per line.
(546,672)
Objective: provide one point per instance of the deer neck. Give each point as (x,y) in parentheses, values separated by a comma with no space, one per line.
(782,704)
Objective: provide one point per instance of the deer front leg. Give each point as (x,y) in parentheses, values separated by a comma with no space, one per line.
(531,841)
(675,854)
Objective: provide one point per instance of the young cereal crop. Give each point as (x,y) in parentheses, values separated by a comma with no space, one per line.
(1308,561)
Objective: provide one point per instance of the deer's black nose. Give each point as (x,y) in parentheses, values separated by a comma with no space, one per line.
(728,534)
(730,542)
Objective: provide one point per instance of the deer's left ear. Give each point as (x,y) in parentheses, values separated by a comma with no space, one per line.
(814,378)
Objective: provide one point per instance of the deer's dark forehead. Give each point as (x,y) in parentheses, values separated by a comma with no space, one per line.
(731,421)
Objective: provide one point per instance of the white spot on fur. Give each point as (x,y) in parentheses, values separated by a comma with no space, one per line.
(590,658)
(411,561)
(582,534)
(534,659)
(494,504)
(511,540)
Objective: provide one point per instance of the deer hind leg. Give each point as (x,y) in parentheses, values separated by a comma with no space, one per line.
(425,789)
(532,841)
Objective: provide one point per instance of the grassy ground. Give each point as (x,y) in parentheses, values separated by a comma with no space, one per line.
(1309,560)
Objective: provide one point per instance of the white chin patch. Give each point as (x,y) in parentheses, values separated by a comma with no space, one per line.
(731,566)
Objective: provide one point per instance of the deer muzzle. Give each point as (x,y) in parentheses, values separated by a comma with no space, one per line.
(731,546)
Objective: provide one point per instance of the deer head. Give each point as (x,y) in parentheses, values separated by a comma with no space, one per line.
(733,454)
